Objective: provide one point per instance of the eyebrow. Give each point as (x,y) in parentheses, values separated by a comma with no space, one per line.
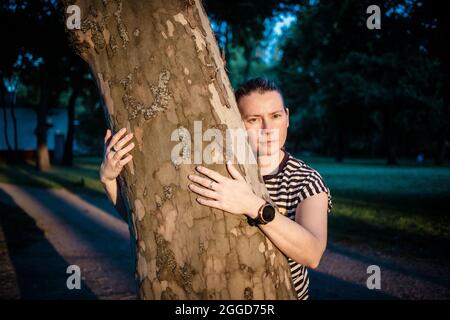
(257,115)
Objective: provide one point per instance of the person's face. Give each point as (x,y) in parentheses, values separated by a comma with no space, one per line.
(266,121)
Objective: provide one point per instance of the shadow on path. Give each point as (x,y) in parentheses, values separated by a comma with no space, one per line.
(40,269)
(85,235)
(327,287)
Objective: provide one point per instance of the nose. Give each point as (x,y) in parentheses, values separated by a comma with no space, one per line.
(267,124)
(269,129)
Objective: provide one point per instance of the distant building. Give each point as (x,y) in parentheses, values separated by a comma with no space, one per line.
(26,124)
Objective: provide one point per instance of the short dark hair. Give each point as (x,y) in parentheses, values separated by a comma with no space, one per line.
(259,84)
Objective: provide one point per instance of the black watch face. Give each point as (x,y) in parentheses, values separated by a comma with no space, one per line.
(268,213)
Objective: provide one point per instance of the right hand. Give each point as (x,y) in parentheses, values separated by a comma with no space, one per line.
(114,152)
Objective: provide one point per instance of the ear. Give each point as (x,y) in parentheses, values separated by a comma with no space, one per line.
(287,114)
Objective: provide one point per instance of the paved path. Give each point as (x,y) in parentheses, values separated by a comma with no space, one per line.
(343,274)
(75,233)
(87,232)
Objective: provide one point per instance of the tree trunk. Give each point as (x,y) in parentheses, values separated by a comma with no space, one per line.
(5,121)
(248,53)
(159,69)
(42,155)
(68,146)
(340,143)
(14,120)
(389,136)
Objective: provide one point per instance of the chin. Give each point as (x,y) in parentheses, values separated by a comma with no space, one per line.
(269,152)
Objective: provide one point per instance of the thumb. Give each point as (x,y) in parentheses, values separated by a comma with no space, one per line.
(234,172)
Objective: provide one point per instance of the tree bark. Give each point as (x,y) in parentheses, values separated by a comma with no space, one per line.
(12,111)
(340,143)
(68,146)
(248,53)
(42,155)
(389,136)
(159,68)
(5,123)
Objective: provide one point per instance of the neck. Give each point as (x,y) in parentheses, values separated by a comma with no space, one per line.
(268,164)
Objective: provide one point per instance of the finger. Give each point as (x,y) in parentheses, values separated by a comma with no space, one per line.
(210,203)
(211,174)
(116,138)
(110,155)
(234,172)
(203,191)
(107,135)
(123,141)
(119,154)
(125,160)
(201,180)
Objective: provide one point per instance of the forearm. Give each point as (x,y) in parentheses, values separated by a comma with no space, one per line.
(112,190)
(294,240)
(291,238)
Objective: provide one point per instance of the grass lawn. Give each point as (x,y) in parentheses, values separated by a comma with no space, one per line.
(83,176)
(400,209)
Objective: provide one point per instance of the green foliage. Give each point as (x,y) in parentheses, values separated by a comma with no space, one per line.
(353,87)
(240,28)
(350,90)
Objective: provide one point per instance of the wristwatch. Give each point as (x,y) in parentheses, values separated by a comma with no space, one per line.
(266,213)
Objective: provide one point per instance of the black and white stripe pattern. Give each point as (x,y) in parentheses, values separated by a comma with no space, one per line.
(292,183)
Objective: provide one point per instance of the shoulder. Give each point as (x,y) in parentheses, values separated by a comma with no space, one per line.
(298,168)
(312,181)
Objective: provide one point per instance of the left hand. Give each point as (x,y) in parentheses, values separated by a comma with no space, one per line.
(233,195)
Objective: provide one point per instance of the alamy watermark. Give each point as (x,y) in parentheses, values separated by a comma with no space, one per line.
(73,21)
(243,146)
(374,20)
(74,280)
(374,280)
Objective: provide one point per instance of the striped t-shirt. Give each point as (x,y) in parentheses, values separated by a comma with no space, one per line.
(293,182)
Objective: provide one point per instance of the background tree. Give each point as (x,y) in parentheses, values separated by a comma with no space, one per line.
(39,19)
(363,91)
(240,27)
(81,86)
(43,64)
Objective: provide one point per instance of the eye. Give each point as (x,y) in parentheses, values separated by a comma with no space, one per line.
(277,115)
(251,120)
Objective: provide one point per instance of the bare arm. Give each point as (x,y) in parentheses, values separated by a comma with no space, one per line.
(303,240)
(112,190)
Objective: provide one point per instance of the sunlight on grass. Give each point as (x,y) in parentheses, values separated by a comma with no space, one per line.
(402,221)
(371,201)
(83,176)
(388,206)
